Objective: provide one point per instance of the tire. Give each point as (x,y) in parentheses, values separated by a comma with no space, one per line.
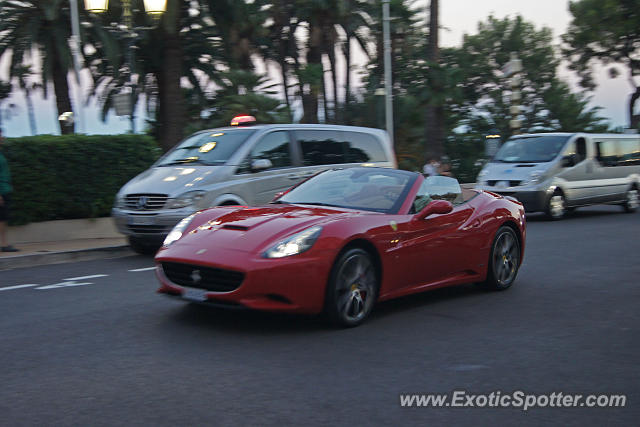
(556,206)
(142,247)
(352,289)
(632,200)
(504,260)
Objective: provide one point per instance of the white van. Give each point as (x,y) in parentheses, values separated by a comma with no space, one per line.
(558,172)
(238,165)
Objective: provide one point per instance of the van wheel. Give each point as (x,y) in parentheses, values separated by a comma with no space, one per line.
(142,247)
(556,206)
(631,201)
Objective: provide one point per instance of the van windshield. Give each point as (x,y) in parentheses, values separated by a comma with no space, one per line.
(207,148)
(530,149)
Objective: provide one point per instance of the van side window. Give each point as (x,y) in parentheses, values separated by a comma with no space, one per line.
(273,146)
(363,147)
(629,152)
(607,153)
(321,147)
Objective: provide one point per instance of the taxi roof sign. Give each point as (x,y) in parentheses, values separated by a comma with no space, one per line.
(243,120)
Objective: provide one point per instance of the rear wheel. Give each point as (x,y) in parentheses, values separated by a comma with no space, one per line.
(352,289)
(631,200)
(556,206)
(143,247)
(504,260)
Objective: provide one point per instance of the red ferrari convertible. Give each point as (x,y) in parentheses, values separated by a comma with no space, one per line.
(341,241)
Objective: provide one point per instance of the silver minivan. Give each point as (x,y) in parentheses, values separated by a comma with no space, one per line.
(239,165)
(558,172)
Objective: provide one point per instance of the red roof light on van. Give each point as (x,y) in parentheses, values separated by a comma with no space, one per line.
(243,120)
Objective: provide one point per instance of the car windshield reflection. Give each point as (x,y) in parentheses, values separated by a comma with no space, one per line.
(369,189)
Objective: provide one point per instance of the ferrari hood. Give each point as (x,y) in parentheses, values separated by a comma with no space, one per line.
(250,229)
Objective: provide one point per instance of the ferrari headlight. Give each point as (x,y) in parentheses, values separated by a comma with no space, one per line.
(186,199)
(295,244)
(177,231)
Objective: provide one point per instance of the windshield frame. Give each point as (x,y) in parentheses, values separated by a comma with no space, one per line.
(394,209)
(531,139)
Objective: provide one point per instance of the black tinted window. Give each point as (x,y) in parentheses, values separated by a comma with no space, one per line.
(362,148)
(321,147)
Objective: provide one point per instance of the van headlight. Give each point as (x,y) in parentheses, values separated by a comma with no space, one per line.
(186,199)
(535,177)
(177,231)
(295,244)
(118,203)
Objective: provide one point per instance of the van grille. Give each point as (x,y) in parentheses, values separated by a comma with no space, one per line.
(207,278)
(148,229)
(145,202)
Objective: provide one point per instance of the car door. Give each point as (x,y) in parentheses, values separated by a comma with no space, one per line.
(577,172)
(265,183)
(438,247)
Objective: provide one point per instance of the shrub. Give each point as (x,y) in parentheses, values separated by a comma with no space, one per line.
(72,176)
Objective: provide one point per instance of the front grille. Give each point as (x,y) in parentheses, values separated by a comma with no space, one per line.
(145,202)
(492,182)
(148,229)
(210,279)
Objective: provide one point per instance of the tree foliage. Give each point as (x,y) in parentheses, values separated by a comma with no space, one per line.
(606,32)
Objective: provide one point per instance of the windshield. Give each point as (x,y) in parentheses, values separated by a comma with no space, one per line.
(207,148)
(370,189)
(530,149)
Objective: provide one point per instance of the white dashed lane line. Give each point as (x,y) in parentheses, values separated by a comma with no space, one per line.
(9,288)
(95,276)
(71,281)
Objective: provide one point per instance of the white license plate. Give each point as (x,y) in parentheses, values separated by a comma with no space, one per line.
(502,184)
(141,220)
(192,294)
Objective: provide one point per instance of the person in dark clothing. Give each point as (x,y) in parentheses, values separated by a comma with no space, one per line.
(5,200)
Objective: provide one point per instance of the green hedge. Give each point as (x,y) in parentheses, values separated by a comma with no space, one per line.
(72,176)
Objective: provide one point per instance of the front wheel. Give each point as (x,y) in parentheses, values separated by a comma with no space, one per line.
(504,260)
(632,201)
(556,206)
(352,289)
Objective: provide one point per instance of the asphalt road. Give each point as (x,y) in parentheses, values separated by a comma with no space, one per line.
(107,350)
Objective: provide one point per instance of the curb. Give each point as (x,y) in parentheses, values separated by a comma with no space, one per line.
(32,260)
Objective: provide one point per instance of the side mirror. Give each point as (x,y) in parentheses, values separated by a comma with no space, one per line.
(260,165)
(569,160)
(434,207)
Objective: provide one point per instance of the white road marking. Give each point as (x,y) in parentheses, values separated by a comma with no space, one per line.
(8,288)
(142,269)
(86,277)
(63,285)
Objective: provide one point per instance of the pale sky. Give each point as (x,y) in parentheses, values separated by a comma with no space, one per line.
(456,16)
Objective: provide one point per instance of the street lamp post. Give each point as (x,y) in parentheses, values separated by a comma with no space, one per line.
(387,69)
(124,101)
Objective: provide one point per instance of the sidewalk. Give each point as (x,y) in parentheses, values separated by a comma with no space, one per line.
(54,242)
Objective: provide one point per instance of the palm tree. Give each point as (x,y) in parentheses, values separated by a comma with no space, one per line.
(22,74)
(41,28)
